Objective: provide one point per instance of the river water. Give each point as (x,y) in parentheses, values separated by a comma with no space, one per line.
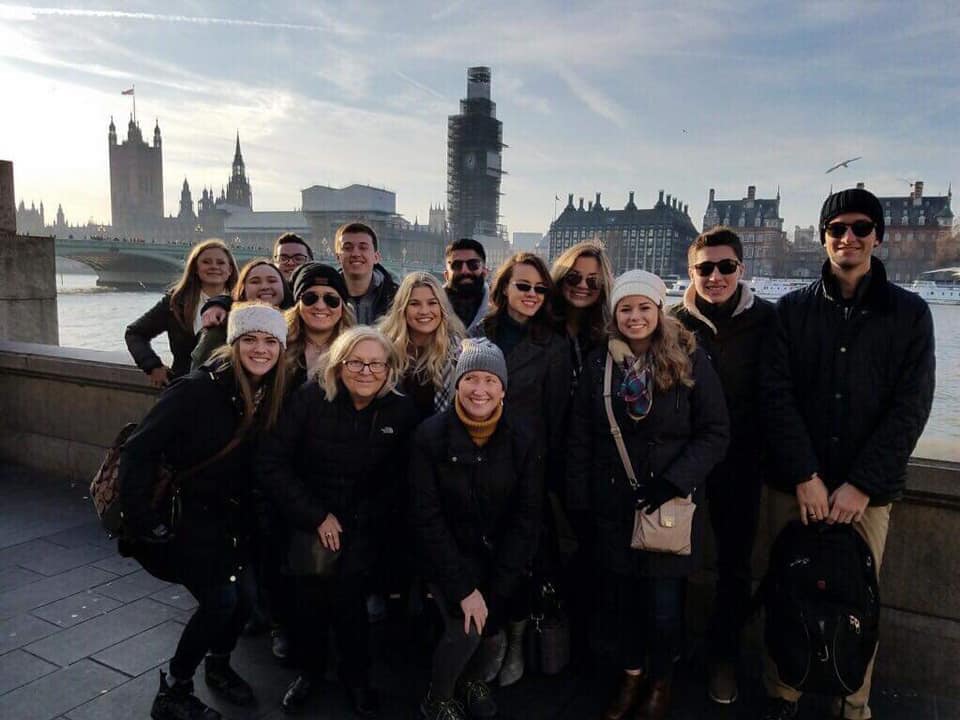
(95,318)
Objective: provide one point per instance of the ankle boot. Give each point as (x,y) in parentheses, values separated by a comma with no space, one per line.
(656,701)
(512,669)
(626,698)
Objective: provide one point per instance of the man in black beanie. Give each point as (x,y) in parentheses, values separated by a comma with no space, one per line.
(849,385)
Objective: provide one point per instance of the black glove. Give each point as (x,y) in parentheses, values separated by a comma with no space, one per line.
(655,493)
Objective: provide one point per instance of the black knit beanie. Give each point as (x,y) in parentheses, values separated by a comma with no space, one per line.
(315,273)
(855,200)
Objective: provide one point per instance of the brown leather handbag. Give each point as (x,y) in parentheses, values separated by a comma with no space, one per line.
(668,528)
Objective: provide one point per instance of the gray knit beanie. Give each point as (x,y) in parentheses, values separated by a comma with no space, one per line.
(481,354)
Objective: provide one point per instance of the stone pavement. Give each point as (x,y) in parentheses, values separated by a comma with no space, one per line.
(83,632)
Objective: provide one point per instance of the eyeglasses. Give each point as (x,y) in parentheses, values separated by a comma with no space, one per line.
(299,258)
(473,264)
(574,278)
(861,228)
(526,287)
(726,266)
(309,298)
(358,366)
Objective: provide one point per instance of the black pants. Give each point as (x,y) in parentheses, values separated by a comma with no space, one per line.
(216,623)
(319,605)
(733,498)
(459,656)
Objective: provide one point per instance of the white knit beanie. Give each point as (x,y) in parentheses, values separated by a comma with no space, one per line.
(256,317)
(638,282)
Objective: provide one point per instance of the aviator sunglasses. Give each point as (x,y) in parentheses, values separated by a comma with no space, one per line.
(473,264)
(574,278)
(331,300)
(526,287)
(727,266)
(861,228)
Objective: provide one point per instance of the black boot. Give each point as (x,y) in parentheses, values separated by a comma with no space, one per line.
(177,702)
(297,694)
(224,681)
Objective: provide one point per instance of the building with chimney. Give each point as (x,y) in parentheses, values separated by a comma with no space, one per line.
(920,233)
(30,220)
(654,239)
(758,223)
(136,180)
(474,167)
(804,255)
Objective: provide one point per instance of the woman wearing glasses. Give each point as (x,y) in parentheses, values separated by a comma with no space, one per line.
(320,313)
(652,387)
(332,467)
(426,333)
(522,325)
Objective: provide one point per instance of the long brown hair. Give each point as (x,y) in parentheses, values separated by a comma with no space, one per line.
(297,333)
(543,322)
(185,293)
(598,314)
(240,289)
(671,350)
(273,385)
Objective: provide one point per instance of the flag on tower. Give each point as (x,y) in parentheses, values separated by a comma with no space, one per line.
(127,92)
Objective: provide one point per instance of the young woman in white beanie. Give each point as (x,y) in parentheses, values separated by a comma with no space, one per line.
(204,427)
(476,496)
(652,386)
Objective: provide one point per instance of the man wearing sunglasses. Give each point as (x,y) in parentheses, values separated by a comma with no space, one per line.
(848,387)
(290,252)
(465,280)
(731,324)
(370,285)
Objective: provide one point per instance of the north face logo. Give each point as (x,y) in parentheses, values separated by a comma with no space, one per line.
(386,430)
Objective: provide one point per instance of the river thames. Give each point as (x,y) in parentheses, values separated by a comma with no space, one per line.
(95,318)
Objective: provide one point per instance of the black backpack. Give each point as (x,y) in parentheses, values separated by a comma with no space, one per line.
(822,607)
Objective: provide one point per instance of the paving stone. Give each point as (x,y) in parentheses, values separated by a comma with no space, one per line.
(77,608)
(130,701)
(118,564)
(59,692)
(12,555)
(14,577)
(95,635)
(56,559)
(23,630)
(177,596)
(48,590)
(138,654)
(18,668)
(89,533)
(132,587)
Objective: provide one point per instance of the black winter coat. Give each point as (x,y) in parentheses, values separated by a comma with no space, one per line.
(849,385)
(194,418)
(158,320)
(328,457)
(475,511)
(382,298)
(681,439)
(735,347)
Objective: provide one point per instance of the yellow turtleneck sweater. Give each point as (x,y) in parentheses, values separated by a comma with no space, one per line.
(480,431)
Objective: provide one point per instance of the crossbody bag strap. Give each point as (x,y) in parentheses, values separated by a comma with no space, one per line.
(224,451)
(615,427)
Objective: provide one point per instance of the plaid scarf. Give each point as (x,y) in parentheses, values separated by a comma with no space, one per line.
(443,395)
(636,389)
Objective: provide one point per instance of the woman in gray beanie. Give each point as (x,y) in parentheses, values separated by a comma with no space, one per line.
(653,390)
(476,489)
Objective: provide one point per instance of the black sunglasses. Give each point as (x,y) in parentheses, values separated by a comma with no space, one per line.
(861,228)
(574,278)
(473,264)
(725,266)
(331,300)
(526,287)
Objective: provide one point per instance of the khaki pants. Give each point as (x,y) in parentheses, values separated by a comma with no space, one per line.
(783,508)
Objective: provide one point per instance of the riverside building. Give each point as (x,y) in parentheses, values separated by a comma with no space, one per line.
(758,223)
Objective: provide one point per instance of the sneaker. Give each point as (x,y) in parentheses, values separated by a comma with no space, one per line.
(431,709)
(296,696)
(779,709)
(722,686)
(224,681)
(177,702)
(279,645)
(477,700)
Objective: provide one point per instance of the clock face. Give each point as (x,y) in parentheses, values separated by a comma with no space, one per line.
(470,161)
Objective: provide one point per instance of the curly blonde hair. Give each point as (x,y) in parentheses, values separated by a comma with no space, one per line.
(331,362)
(671,350)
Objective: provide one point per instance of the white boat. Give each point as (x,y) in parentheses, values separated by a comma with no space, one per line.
(936,293)
(773,288)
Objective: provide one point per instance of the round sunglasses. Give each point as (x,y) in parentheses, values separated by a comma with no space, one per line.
(331,300)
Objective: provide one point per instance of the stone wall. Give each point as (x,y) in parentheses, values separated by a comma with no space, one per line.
(60,408)
(28,291)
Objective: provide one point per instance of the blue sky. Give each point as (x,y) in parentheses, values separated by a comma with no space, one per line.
(595,97)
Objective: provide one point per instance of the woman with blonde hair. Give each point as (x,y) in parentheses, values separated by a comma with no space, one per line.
(333,467)
(426,334)
(205,426)
(649,398)
(210,270)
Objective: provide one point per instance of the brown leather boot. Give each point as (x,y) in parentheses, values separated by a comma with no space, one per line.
(626,698)
(655,703)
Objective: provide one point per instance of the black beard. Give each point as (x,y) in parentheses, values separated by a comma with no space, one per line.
(467,289)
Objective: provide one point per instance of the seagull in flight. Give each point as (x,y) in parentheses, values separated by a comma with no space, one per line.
(845,163)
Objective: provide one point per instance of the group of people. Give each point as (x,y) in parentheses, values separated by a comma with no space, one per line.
(341,437)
